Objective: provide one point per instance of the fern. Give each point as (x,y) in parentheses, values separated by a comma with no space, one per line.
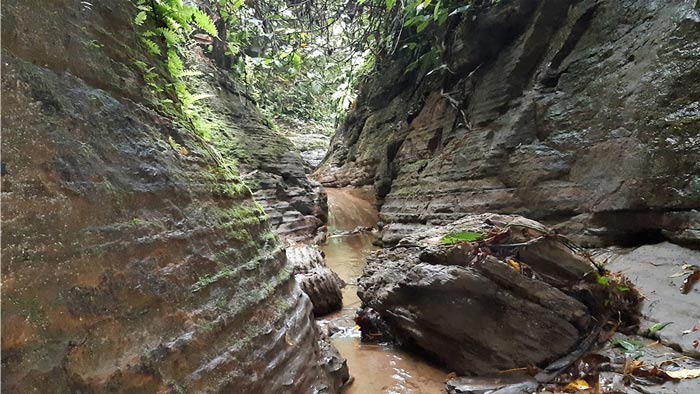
(205,23)
(177,11)
(175,65)
(140,18)
(171,36)
(172,23)
(151,46)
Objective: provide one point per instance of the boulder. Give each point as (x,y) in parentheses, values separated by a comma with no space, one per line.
(519,296)
(317,280)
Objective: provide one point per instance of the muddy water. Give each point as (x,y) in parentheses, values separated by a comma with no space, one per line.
(376,368)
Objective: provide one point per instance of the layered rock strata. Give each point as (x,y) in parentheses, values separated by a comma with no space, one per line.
(272,168)
(584,112)
(317,280)
(268,161)
(518,297)
(134,260)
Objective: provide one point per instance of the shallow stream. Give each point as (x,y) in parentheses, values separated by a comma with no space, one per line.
(376,368)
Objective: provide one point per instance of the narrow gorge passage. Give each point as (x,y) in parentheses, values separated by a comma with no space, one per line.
(350,197)
(375,368)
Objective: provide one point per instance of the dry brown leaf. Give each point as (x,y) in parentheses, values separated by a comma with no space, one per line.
(689,281)
(684,374)
(288,340)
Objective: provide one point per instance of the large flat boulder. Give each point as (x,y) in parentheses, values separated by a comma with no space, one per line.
(519,296)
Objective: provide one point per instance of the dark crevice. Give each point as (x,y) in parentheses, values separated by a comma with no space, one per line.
(552,74)
(638,238)
(580,27)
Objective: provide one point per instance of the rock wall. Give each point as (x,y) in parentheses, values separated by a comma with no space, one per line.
(579,111)
(268,161)
(133,260)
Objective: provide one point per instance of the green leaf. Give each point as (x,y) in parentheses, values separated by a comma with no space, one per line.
(653,331)
(151,46)
(632,348)
(140,18)
(205,23)
(436,11)
(410,46)
(171,36)
(175,65)
(423,25)
(142,65)
(237,4)
(390,4)
(461,237)
(296,60)
(603,280)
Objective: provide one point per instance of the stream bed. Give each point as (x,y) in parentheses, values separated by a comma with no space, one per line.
(376,368)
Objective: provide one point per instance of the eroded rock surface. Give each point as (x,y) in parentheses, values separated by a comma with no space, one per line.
(317,280)
(657,271)
(133,260)
(510,302)
(559,110)
(268,161)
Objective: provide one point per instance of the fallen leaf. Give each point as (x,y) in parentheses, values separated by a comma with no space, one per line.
(288,340)
(632,348)
(651,373)
(514,264)
(684,374)
(652,331)
(631,365)
(577,385)
(689,281)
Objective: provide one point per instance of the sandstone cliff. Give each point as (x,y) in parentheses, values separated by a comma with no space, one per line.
(578,111)
(133,259)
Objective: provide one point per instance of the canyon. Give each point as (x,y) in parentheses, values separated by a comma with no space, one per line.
(149,250)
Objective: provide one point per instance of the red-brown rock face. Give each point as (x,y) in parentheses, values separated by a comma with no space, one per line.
(130,265)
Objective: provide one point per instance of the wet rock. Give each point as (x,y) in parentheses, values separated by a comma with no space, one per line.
(651,354)
(267,160)
(657,272)
(311,138)
(503,384)
(480,308)
(317,280)
(559,109)
(130,265)
(312,147)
